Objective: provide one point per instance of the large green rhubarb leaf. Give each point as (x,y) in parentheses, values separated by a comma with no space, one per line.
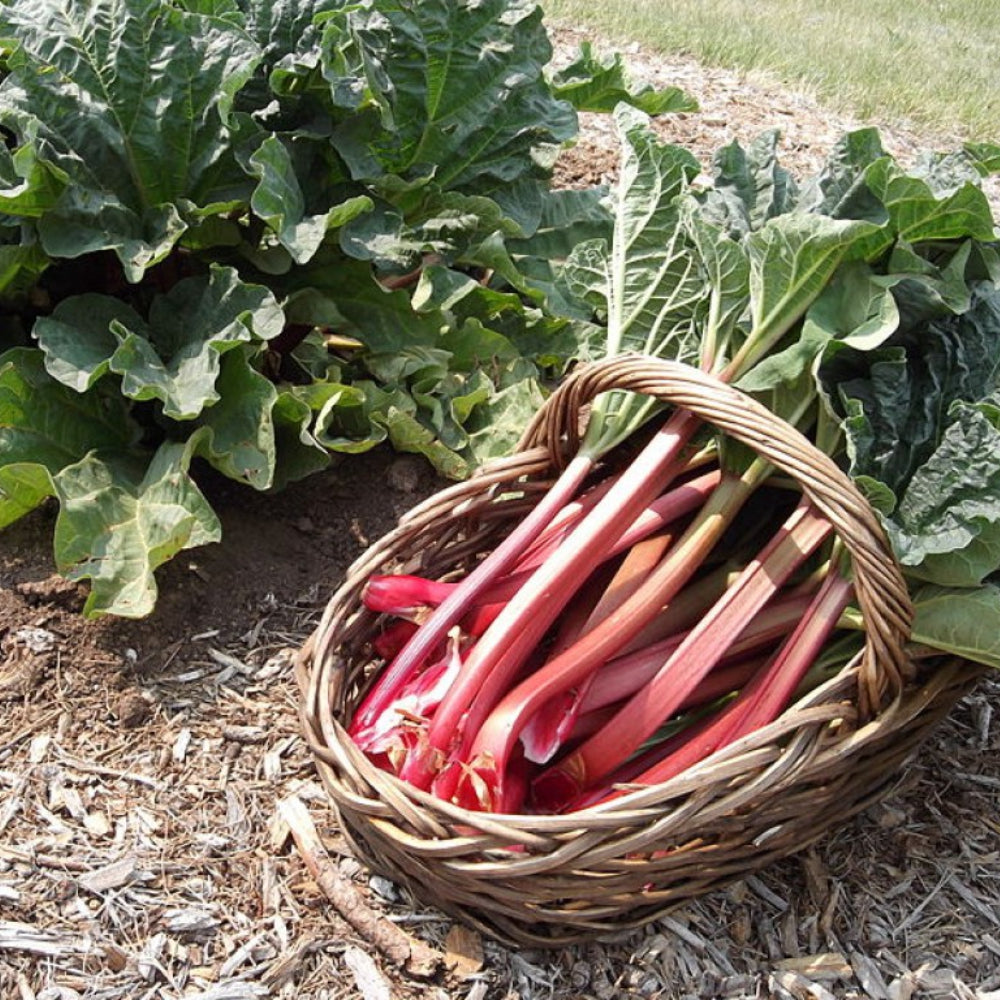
(45,427)
(960,621)
(127,103)
(459,89)
(175,355)
(922,419)
(646,281)
(118,521)
(941,203)
(749,185)
(595,82)
(242,435)
(280,202)
(792,259)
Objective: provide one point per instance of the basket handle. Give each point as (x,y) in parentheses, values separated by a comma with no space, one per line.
(879,585)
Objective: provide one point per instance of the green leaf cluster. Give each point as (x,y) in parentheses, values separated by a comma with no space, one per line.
(254,234)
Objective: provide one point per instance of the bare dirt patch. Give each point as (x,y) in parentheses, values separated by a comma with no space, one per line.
(144,851)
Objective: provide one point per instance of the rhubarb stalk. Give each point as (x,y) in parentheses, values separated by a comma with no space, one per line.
(705,645)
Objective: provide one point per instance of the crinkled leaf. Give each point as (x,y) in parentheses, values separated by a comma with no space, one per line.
(50,425)
(727,272)
(408,434)
(792,258)
(357,417)
(79,339)
(238,435)
(568,217)
(647,281)
(340,293)
(496,427)
(647,285)
(175,355)
(257,434)
(177,359)
(286,30)
(299,454)
(128,101)
(441,288)
(963,622)
(840,189)
(948,520)
(344,415)
(459,89)
(904,391)
(450,226)
(600,83)
(935,206)
(926,289)
(855,309)
(921,417)
(985,156)
(279,201)
(23,486)
(118,522)
(21,264)
(29,187)
(749,186)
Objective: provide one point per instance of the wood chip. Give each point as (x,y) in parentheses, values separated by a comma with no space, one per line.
(16,936)
(826,965)
(371,984)
(247,735)
(463,951)
(112,876)
(190,920)
(802,988)
(39,747)
(236,990)
(179,750)
(115,958)
(868,975)
(97,824)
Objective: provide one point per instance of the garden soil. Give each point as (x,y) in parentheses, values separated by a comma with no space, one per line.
(146,767)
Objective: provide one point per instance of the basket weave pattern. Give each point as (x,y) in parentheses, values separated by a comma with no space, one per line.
(548,880)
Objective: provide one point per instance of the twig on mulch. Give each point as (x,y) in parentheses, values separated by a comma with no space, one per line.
(417,958)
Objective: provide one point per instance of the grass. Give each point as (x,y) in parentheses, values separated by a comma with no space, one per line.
(929,63)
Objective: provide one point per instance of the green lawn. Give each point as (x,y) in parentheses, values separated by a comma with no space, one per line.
(933,63)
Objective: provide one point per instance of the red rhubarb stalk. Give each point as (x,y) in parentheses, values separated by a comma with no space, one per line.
(762,700)
(455,605)
(500,652)
(619,678)
(624,675)
(703,648)
(495,737)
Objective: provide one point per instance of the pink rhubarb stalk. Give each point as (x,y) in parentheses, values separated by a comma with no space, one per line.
(451,610)
(703,648)
(499,654)
(760,702)
(495,737)
(625,675)
(562,718)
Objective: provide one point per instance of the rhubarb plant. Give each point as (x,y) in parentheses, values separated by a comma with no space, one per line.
(252,235)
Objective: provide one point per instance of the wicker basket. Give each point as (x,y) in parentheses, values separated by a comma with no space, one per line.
(621,864)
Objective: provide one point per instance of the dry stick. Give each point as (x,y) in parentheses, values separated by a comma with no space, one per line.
(398,947)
